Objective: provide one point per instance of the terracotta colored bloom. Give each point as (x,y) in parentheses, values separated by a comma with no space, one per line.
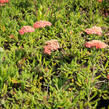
(95,43)
(51,45)
(41,24)
(100,0)
(94,30)
(4,1)
(26,29)
(108,76)
(47,50)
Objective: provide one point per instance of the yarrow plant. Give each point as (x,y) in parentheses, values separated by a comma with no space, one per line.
(51,45)
(4,1)
(108,76)
(57,78)
(41,24)
(94,30)
(100,0)
(26,29)
(95,43)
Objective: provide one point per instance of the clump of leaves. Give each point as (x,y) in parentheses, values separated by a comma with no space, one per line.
(71,77)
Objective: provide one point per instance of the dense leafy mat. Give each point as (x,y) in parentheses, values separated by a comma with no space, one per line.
(73,77)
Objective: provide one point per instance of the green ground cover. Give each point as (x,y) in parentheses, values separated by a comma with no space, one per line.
(73,77)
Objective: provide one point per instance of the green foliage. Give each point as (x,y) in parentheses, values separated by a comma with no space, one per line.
(73,77)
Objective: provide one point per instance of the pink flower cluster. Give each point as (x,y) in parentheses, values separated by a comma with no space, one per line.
(95,43)
(4,1)
(94,30)
(108,76)
(38,24)
(100,0)
(26,29)
(41,24)
(51,45)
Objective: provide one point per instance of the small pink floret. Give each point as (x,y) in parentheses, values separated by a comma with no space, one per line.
(94,30)
(95,43)
(41,24)
(51,45)
(47,50)
(108,76)
(100,0)
(4,1)
(26,29)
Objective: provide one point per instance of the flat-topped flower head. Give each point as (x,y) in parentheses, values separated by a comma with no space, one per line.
(100,1)
(108,76)
(47,50)
(26,29)
(95,43)
(4,1)
(41,24)
(51,45)
(94,30)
